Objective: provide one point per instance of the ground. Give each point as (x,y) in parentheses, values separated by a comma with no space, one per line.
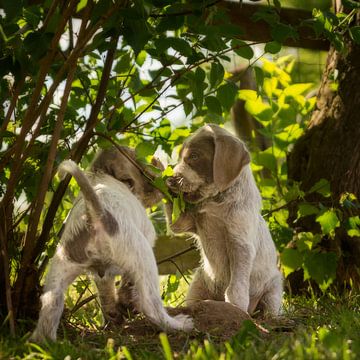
(310,328)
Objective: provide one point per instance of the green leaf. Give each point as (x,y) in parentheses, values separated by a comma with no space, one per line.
(216,74)
(226,95)
(246,94)
(242,49)
(12,8)
(145,149)
(351,4)
(328,221)
(136,33)
(322,187)
(81,5)
(169,171)
(291,260)
(320,267)
(281,217)
(306,241)
(259,76)
(178,208)
(297,89)
(258,109)
(355,33)
(353,226)
(166,346)
(37,43)
(181,46)
(306,209)
(266,159)
(213,105)
(141,57)
(160,184)
(273,47)
(280,32)
(123,65)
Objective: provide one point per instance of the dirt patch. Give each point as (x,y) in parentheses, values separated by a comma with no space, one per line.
(216,318)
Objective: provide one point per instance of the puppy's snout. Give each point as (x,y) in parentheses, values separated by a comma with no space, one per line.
(173,182)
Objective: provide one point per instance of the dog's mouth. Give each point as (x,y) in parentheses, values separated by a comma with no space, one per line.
(178,185)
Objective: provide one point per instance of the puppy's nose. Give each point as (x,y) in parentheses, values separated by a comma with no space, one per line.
(172,182)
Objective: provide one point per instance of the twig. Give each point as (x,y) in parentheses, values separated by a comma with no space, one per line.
(179,253)
(9,302)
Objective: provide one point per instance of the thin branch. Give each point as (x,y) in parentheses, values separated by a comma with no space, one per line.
(185,12)
(11,108)
(79,149)
(179,253)
(30,237)
(5,257)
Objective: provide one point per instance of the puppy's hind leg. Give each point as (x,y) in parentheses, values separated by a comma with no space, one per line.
(141,267)
(271,301)
(61,274)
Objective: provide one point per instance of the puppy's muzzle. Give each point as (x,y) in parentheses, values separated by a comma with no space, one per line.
(173,183)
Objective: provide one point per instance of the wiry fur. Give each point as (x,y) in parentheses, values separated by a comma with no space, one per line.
(107,233)
(239,261)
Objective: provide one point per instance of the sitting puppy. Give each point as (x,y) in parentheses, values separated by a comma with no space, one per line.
(107,233)
(239,261)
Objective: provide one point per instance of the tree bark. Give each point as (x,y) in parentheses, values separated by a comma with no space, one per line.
(330,149)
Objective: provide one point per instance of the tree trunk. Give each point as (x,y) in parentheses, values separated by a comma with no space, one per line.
(330,149)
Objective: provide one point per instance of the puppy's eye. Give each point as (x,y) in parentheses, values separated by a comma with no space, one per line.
(193,156)
(128,182)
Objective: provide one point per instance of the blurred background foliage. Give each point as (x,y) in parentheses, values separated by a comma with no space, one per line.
(147,74)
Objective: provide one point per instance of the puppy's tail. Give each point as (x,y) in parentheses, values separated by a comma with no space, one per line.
(92,200)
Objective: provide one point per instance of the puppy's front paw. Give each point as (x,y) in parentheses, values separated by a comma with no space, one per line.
(234,298)
(185,322)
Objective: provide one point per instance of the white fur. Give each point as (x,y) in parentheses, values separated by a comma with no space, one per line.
(127,252)
(239,260)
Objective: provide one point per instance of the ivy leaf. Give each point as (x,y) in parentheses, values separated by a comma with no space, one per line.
(328,221)
(291,260)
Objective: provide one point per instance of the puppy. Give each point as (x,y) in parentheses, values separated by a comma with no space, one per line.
(107,233)
(239,261)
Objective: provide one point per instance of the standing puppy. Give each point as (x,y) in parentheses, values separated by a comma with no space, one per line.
(239,261)
(107,233)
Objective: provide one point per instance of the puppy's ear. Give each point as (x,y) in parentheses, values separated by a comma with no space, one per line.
(157,163)
(230,157)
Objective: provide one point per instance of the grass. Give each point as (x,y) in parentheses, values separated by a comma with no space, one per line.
(313,328)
